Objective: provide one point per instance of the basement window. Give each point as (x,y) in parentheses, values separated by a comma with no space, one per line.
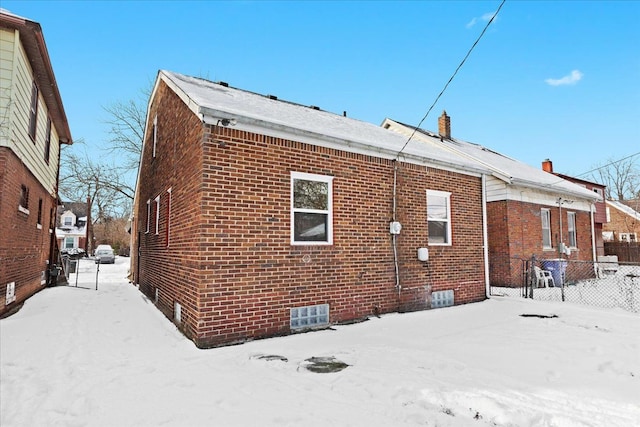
(10,294)
(177,312)
(310,316)
(442,299)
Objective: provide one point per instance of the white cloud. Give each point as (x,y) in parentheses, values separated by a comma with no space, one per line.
(486,18)
(570,79)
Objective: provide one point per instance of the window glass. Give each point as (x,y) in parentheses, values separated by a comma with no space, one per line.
(545,217)
(439,217)
(571,225)
(33,111)
(311,208)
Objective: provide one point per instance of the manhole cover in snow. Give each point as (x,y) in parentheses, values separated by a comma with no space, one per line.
(323,365)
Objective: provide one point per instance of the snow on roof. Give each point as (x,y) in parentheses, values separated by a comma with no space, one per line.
(274,117)
(624,208)
(515,171)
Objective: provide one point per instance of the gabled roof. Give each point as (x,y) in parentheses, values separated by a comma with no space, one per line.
(253,112)
(36,49)
(627,210)
(503,167)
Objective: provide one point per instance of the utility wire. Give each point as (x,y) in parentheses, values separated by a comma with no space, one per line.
(450,79)
(608,164)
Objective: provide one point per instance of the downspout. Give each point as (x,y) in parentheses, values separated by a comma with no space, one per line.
(593,234)
(394,236)
(561,242)
(485,236)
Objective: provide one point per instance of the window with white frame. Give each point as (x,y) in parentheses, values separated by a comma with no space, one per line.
(311,209)
(439,217)
(545,218)
(157,200)
(67,221)
(69,242)
(571,228)
(148,215)
(155,134)
(33,111)
(628,237)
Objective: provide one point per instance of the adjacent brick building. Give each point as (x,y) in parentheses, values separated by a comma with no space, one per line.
(529,211)
(33,124)
(257,217)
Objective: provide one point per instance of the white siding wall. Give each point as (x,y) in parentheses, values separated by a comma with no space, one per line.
(15,82)
(498,190)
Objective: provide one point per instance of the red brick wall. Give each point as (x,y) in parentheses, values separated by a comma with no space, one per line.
(173,267)
(515,234)
(620,222)
(230,263)
(24,248)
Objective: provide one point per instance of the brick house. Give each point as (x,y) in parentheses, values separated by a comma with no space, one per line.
(623,221)
(600,207)
(33,125)
(529,211)
(256,217)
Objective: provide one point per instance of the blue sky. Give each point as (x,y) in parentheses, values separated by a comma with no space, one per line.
(549,79)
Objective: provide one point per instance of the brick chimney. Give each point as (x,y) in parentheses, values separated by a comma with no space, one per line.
(547,166)
(444,125)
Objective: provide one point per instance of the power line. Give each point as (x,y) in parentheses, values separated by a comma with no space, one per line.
(608,164)
(450,79)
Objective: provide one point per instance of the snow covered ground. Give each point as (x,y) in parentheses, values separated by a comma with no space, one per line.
(107,357)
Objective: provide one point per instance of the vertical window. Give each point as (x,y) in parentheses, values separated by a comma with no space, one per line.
(571,227)
(157,200)
(155,134)
(148,215)
(439,217)
(168,216)
(24,197)
(47,141)
(67,221)
(69,242)
(33,111)
(545,217)
(311,209)
(40,212)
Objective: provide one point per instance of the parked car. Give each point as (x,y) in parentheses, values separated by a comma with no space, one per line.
(104,255)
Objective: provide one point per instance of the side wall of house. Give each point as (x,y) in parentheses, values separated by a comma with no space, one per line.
(254,276)
(515,235)
(168,267)
(26,231)
(620,222)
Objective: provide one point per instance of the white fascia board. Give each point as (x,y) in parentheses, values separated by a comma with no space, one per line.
(586,195)
(250,124)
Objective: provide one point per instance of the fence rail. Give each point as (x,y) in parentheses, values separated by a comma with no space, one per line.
(609,285)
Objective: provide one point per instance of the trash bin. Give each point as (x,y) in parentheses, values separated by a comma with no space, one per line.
(557,267)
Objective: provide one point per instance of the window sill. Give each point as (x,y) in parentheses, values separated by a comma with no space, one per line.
(39,226)
(23,210)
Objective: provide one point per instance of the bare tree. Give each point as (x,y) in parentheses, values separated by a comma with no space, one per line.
(127,121)
(622,178)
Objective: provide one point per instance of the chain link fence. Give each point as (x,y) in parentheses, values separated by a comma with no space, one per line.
(609,284)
